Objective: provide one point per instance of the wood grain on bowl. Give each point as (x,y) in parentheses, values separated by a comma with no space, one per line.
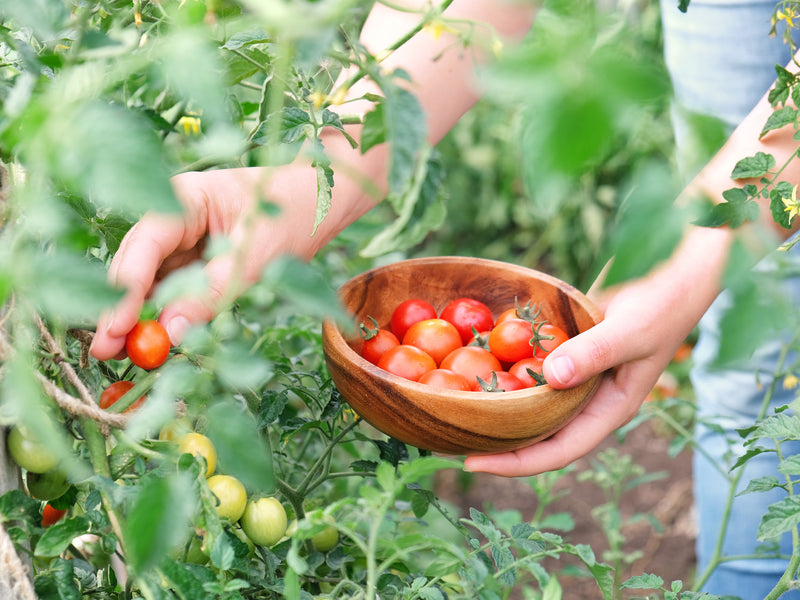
(447,421)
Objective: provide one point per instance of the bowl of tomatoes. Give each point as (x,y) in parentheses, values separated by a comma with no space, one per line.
(445,353)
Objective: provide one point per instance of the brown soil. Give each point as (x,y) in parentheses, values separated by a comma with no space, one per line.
(668,552)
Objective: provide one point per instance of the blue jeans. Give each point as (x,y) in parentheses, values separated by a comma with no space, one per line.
(722,60)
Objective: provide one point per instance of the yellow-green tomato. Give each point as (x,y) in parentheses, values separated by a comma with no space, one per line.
(264,521)
(197,444)
(325,539)
(29,453)
(231,496)
(46,486)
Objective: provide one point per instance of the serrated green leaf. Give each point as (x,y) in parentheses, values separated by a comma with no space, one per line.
(753,166)
(58,537)
(779,118)
(782,516)
(643,582)
(782,426)
(58,582)
(761,484)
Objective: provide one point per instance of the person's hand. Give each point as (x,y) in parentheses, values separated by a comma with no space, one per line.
(645,322)
(216,203)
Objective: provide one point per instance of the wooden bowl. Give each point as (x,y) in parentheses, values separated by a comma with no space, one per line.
(442,420)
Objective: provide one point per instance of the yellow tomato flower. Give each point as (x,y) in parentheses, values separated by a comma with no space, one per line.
(317,99)
(790,382)
(190,124)
(792,205)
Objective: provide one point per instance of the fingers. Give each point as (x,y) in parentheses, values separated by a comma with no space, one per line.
(610,408)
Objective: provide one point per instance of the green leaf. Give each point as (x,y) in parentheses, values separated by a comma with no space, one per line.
(241,449)
(58,537)
(738,208)
(158,517)
(779,118)
(552,589)
(748,455)
(782,426)
(185,579)
(58,582)
(643,582)
(790,465)
(761,484)
(780,517)
(406,132)
(373,132)
(753,166)
(781,190)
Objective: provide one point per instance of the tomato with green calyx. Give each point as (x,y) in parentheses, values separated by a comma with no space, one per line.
(500,381)
(546,338)
(376,341)
(407,361)
(147,344)
(522,370)
(409,312)
(46,486)
(264,521)
(197,444)
(446,379)
(30,453)
(230,494)
(115,391)
(436,337)
(472,362)
(51,516)
(512,340)
(467,314)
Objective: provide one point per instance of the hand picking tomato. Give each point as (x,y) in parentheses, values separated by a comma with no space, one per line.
(472,362)
(436,337)
(376,342)
(51,516)
(407,361)
(547,337)
(511,340)
(409,312)
(117,390)
(147,344)
(467,314)
(444,378)
(520,370)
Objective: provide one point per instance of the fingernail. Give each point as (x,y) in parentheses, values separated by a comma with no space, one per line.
(562,369)
(177,328)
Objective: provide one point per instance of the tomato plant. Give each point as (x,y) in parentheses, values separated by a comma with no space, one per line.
(147,344)
(264,521)
(436,337)
(468,314)
(409,312)
(115,391)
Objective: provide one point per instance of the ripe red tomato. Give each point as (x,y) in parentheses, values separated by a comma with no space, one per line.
(376,342)
(409,312)
(467,314)
(500,381)
(147,344)
(407,361)
(116,391)
(520,370)
(51,516)
(472,362)
(548,337)
(444,378)
(509,313)
(436,337)
(510,341)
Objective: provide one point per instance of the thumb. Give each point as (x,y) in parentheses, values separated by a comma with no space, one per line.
(585,355)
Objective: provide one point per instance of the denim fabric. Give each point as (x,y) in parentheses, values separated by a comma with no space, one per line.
(722,60)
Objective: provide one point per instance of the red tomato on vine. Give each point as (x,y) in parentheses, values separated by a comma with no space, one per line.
(114,392)
(147,344)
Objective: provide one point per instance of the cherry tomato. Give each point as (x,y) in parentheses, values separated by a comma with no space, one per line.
(407,361)
(467,314)
(30,453)
(231,495)
(500,381)
(326,539)
(116,391)
(264,521)
(147,344)
(472,362)
(509,313)
(51,516)
(520,370)
(376,342)
(409,312)
(548,337)
(197,444)
(46,486)
(510,341)
(436,337)
(444,378)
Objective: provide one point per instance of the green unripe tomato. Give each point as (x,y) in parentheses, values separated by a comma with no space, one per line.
(46,486)
(264,521)
(231,495)
(325,539)
(197,444)
(29,453)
